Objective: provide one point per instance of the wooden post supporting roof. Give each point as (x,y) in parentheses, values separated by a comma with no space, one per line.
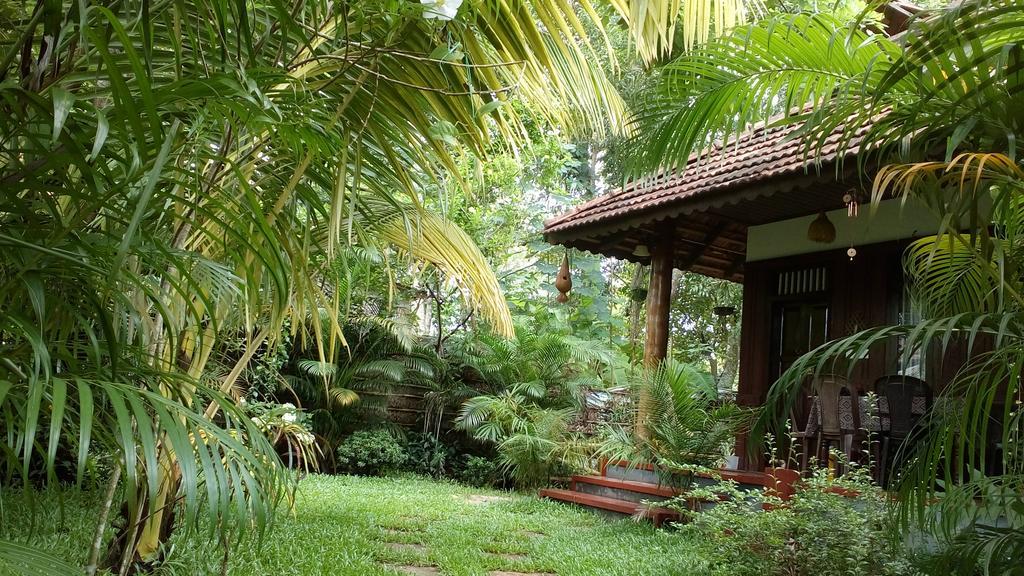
(659,303)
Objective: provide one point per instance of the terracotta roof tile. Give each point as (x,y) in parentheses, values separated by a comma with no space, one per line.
(756,157)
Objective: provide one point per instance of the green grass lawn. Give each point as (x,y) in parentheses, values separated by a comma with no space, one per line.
(381,526)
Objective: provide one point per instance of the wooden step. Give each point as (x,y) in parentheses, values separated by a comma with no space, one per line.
(644,488)
(645,473)
(657,515)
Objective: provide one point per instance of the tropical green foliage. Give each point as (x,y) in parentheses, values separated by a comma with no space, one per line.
(371,452)
(654,24)
(686,428)
(20,560)
(705,326)
(949,86)
(479,471)
(176,175)
(353,390)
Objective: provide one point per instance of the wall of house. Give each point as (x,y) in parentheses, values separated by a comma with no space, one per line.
(889,220)
(862,292)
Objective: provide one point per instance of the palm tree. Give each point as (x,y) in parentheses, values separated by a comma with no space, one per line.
(382,353)
(686,425)
(941,108)
(173,172)
(539,383)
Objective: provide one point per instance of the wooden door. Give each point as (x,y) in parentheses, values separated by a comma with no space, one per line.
(797,328)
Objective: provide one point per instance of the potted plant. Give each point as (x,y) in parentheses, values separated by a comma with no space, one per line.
(784,478)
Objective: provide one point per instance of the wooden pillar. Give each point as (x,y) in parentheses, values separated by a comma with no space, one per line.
(659,303)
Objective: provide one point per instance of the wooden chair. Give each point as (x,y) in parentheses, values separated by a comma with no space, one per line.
(899,392)
(835,426)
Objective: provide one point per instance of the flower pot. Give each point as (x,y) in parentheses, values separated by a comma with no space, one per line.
(783,482)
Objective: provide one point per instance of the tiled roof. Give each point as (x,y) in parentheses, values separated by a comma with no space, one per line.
(756,158)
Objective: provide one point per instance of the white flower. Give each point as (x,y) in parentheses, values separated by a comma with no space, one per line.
(288,405)
(288,417)
(441,9)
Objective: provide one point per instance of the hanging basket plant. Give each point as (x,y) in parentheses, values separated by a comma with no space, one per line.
(638,294)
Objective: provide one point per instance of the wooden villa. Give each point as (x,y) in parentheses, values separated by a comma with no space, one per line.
(758,212)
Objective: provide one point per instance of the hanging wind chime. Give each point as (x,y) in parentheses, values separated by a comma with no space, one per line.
(563,282)
(852,209)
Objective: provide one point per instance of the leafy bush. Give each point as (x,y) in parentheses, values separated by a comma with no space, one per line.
(479,471)
(370,453)
(828,527)
(428,455)
(533,443)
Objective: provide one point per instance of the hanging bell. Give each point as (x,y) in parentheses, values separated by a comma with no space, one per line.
(563,283)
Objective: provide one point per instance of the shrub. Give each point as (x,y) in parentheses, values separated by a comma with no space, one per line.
(428,455)
(819,531)
(479,471)
(370,453)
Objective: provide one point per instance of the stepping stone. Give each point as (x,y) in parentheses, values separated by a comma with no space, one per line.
(417,570)
(511,556)
(482,499)
(403,547)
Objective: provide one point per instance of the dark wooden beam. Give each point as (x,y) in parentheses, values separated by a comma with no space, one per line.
(732,270)
(698,250)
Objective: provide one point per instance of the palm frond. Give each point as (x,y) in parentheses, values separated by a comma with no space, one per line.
(316,368)
(435,240)
(20,560)
(653,23)
(752,74)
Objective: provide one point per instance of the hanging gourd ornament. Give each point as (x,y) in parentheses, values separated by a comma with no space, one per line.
(563,283)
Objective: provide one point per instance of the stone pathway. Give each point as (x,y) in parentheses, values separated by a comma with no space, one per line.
(405,532)
(407,547)
(418,570)
(482,499)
